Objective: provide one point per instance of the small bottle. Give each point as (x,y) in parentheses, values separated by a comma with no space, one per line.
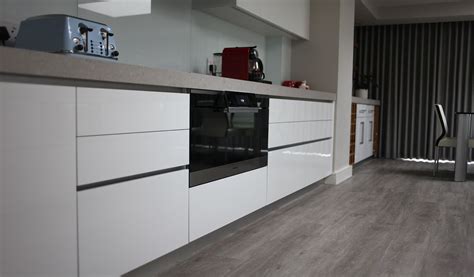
(218,64)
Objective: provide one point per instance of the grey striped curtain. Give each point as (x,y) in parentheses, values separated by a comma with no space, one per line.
(416,66)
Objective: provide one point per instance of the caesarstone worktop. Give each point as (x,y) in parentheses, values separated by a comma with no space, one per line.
(358,100)
(66,69)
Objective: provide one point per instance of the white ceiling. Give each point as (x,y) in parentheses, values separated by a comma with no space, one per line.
(369,12)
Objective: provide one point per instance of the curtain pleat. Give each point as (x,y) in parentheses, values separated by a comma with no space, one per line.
(416,66)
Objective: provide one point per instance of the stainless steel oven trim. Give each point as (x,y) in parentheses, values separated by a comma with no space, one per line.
(202,177)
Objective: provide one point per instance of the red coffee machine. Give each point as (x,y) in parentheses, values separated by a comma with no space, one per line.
(242,63)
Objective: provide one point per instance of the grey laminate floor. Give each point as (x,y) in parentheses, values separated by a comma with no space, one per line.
(391,219)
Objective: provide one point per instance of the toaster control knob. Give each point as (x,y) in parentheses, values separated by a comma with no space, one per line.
(84,29)
(115,53)
(76,41)
(79,47)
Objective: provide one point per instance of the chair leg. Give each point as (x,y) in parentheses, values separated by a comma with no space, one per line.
(436,161)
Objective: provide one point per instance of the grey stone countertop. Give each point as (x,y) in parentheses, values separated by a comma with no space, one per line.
(72,70)
(358,100)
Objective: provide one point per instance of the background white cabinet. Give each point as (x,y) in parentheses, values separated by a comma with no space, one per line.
(37,180)
(364,132)
(216,204)
(126,225)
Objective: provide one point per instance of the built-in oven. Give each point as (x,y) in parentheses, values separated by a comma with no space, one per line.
(229,135)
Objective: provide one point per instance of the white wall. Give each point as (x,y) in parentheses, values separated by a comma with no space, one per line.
(2,181)
(173,36)
(278,62)
(160,39)
(16,10)
(210,35)
(326,61)
(342,128)
(317,60)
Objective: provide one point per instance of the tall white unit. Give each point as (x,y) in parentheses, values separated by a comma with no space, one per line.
(37,180)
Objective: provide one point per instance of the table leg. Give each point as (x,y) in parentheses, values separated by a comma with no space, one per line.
(464,126)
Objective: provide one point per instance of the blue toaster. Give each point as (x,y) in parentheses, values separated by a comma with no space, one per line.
(67,34)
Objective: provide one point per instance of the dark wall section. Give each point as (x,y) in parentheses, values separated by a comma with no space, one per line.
(416,66)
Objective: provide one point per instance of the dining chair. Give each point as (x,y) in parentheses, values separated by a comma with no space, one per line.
(443,140)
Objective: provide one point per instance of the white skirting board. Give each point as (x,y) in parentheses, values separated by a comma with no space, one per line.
(340,176)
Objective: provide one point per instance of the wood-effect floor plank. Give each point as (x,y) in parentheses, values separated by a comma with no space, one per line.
(392,218)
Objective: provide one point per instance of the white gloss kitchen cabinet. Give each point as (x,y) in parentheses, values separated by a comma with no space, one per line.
(216,204)
(365,122)
(126,225)
(93,182)
(132,149)
(300,145)
(271,18)
(38,223)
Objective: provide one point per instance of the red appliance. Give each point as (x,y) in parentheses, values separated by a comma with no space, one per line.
(235,63)
(242,63)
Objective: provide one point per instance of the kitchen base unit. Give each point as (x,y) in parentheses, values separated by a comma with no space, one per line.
(294,168)
(216,204)
(126,225)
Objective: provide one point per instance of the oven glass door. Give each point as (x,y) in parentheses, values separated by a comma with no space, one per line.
(226,141)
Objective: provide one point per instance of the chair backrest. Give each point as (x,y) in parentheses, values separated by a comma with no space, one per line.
(442,119)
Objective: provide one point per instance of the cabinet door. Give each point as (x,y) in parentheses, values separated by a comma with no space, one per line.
(216,204)
(361,138)
(362,110)
(292,169)
(369,143)
(38,180)
(126,225)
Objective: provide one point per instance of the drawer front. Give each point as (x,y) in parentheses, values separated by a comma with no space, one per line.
(102,158)
(281,134)
(126,225)
(216,204)
(370,110)
(292,169)
(282,110)
(362,110)
(109,111)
